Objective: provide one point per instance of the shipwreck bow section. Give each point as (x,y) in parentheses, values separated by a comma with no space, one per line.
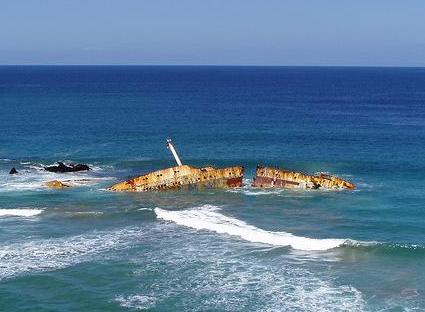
(282,178)
(183,177)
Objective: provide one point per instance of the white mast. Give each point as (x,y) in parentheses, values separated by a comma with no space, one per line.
(173,151)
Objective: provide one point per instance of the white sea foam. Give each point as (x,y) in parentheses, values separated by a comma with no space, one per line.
(255,191)
(20,212)
(56,253)
(138,302)
(251,191)
(208,218)
(33,177)
(145,209)
(202,275)
(247,287)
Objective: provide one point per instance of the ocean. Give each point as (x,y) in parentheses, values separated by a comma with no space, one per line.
(88,249)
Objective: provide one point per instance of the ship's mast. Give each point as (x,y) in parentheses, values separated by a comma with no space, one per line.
(173,151)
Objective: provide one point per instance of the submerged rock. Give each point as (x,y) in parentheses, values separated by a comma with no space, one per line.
(282,178)
(13,171)
(55,184)
(61,167)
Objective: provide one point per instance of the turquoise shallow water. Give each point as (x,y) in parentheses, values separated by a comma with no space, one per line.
(86,249)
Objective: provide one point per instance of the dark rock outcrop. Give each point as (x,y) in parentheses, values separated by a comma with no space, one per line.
(61,167)
(13,171)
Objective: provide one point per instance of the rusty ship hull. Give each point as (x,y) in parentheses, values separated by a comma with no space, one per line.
(271,177)
(183,177)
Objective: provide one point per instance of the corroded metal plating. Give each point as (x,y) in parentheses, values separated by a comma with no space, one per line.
(282,178)
(183,177)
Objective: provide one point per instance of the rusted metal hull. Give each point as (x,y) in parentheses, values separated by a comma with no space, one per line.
(281,178)
(183,177)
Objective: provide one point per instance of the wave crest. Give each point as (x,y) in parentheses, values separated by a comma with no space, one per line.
(208,218)
(20,212)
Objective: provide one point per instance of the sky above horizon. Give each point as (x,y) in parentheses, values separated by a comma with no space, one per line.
(192,32)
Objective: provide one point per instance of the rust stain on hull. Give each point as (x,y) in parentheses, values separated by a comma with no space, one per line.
(183,177)
(282,178)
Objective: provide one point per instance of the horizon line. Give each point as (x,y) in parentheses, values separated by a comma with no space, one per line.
(215,65)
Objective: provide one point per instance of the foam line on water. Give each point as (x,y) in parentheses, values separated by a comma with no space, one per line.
(207,274)
(208,218)
(255,191)
(56,253)
(20,212)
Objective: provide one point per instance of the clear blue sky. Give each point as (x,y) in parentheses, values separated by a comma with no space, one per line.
(236,32)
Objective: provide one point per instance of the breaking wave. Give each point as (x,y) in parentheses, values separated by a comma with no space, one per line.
(20,212)
(208,218)
(187,273)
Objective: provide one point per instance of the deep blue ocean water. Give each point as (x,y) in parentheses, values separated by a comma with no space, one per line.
(87,249)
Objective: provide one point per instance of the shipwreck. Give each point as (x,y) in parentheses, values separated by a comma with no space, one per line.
(183,177)
(270,177)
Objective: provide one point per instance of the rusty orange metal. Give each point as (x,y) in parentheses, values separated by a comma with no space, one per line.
(182,177)
(282,178)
